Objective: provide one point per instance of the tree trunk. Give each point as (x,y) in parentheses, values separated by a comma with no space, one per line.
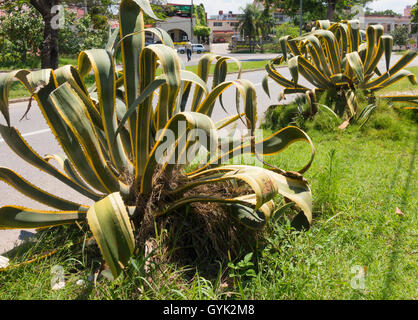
(49,50)
(332,4)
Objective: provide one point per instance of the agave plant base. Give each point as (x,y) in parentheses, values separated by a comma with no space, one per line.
(197,234)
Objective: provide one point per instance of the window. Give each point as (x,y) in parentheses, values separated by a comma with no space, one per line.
(217,24)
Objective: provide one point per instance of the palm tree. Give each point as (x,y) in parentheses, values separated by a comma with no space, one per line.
(265,23)
(248,25)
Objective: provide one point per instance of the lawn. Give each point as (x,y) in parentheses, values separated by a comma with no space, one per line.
(18,91)
(232,67)
(402,85)
(358,247)
(35,63)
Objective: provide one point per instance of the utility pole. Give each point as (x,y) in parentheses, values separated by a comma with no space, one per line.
(85,7)
(300,24)
(191,22)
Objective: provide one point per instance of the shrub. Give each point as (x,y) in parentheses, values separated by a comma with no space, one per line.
(129,152)
(340,67)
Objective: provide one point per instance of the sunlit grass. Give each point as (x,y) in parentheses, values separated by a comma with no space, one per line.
(358,179)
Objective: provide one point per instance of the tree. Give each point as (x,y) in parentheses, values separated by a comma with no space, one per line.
(400,35)
(414,19)
(266,22)
(287,29)
(248,24)
(49,13)
(202,33)
(79,34)
(50,49)
(387,12)
(200,14)
(317,9)
(98,10)
(161,11)
(21,33)
(201,30)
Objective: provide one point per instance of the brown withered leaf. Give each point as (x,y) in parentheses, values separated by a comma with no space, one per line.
(344,125)
(399,212)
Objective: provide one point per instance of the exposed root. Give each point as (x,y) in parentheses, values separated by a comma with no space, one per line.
(198,234)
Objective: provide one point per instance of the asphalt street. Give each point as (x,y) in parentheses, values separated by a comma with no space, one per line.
(37,134)
(222,49)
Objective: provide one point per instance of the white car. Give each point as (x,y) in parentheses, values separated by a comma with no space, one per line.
(198,48)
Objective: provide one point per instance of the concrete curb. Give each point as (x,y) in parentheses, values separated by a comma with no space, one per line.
(19,100)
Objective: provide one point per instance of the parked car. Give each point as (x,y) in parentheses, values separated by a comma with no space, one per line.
(198,48)
(148,42)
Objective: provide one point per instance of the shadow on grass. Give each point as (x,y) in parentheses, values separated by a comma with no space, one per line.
(393,247)
(399,228)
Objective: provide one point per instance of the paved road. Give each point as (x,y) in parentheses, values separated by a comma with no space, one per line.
(222,49)
(37,134)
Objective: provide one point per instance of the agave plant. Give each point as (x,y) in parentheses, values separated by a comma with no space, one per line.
(338,64)
(111,133)
(410,99)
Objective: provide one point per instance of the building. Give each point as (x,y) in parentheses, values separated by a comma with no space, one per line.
(389,22)
(79,10)
(180,25)
(180,29)
(407,11)
(223,26)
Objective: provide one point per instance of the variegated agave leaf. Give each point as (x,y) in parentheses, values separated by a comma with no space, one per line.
(110,132)
(336,63)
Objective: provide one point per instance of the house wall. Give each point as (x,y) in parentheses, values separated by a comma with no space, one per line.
(173,24)
(222,29)
(389,23)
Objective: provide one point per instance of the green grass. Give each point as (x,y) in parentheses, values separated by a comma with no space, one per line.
(402,85)
(358,179)
(35,63)
(18,91)
(232,67)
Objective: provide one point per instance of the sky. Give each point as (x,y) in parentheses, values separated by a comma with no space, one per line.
(213,6)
